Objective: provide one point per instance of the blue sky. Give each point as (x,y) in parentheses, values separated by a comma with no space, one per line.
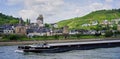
(54,10)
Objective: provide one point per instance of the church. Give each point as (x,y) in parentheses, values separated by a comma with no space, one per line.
(38,28)
(20,28)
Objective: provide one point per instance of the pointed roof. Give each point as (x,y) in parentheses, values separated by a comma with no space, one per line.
(21,22)
(40,17)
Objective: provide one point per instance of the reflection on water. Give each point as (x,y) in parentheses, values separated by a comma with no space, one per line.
(7,52)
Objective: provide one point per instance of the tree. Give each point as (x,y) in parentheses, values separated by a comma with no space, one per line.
(13,21)
(114,27)
(56,36)
(47,25)
(28,21)
(5,19)
(108,33)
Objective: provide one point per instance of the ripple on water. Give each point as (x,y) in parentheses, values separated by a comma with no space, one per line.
(7,52)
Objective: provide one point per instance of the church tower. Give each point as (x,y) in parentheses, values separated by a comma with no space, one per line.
(40,20)
(20,28)
(21,22)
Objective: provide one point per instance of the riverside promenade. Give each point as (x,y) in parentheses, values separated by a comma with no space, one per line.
(57,41)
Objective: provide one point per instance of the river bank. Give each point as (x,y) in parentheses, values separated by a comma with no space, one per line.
(50,41)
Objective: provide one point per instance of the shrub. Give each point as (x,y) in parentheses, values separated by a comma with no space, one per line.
(14,37)
(78,35)
(108,33)
(56,36)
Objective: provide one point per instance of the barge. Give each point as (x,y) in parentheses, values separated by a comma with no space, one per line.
(63,47)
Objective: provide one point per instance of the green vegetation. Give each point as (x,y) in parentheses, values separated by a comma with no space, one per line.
(47,25)
(99,16)
(5,19)
(108,33)
(13,37)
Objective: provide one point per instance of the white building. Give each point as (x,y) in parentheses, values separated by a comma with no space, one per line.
(9,30)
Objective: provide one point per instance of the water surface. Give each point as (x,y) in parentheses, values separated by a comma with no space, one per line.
(7,52)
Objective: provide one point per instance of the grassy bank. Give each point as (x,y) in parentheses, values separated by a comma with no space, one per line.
(22,39)
(13,37)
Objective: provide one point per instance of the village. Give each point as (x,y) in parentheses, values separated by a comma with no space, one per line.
(40,29)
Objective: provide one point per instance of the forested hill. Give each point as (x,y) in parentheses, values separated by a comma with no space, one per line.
(5,19)
(100,15)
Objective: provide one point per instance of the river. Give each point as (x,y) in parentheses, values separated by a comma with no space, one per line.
(7,52)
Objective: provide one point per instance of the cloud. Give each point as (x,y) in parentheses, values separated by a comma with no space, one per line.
(27,13)
(56,10)
(96,6)
(109,1)
(83,10)
(99,6)
(32,8)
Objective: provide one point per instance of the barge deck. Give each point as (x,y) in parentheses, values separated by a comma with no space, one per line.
(62,47)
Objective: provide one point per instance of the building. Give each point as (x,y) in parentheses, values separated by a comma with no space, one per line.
(1,30)
(40,21)
(65,30)
(73,32)
(54,25)
(38,32)
(21,21)
(20,28)
(57,32)
(118,27)
(9,30)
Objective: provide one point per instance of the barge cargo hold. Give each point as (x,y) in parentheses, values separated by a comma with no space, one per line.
(62,47)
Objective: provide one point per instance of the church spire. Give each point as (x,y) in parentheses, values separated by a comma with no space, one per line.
(40,20)
(21,22)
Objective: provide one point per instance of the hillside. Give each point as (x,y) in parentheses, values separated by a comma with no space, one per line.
(99,16)
(5,19)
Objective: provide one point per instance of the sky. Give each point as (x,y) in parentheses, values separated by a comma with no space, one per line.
(54,10)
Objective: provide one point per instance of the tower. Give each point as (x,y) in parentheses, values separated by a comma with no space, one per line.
(65,30)
(21,22)
(20,28)
(40,20)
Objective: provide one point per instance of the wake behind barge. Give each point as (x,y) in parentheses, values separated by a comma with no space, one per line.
(62,47)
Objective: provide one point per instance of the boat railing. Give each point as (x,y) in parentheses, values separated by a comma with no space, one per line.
(40,45)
